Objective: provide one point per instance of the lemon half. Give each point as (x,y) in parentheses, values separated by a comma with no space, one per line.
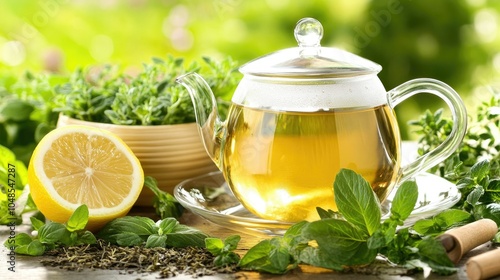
(75,165)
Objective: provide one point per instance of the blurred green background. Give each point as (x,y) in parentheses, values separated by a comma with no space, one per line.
(456,41)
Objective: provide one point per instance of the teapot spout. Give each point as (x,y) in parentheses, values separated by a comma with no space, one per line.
(209,126)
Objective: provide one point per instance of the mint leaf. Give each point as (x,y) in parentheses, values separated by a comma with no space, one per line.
(51,232)
(164,203)
(404,201)
(432,252)
(269,256)
(16,110)
(490,211)
(128,230)
(223,250)
(214,245)
(133,230)
(443,221)
(68,238)
(24,244)
(156,240)
(231,242)
(327,214)
(257,257)
(279,254)
(185,236)
(475,195)
(36,223)
(18,240)
(401,248)
(492,192)
(293,234)
(127,239)
(167,225)
(356,201)
(496,239)
(402,205)
(34,248)
(320,258)
(480,170)
(86,238)
(384,235)
(341,241)
(78,219)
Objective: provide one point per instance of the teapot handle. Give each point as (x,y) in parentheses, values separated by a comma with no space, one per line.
(459,116)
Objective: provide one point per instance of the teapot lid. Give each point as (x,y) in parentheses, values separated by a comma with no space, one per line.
(309,59)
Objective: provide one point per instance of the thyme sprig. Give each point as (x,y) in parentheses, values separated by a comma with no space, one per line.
(474,166)
(481,141)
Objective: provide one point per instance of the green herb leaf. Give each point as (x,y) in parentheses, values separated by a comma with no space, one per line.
(36,223)
(257,257)
(78,219)
(51,232)
(34,248)
(340,241)
(327,214)
(384,235)
(214,245)
(67,239)
(184,236)
(443,221)
(133,230)
(155,240)
(402,205)
(164,203)
(491,192)
(86,237)
(223,250)
(16,110)
(149,98)
(475,195)
(480,170)
(128,230)
(402,247)
(271,256)
(356,201)
(496,239)
(404,201)
(432,252)
(167,225)
(127,239)
(17,240)
(320,258)
(491,211)
(231,242)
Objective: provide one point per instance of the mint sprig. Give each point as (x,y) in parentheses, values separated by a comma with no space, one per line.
(357,202)
(277,255)
(51,235)
(135,230)
(353,236)
(164,203)
(223,249)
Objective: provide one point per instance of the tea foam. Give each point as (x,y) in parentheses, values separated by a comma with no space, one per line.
(303,95)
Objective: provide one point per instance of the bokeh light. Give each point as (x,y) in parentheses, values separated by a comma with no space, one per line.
(13,53)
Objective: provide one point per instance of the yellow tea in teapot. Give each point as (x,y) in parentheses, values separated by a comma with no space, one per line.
(282,165)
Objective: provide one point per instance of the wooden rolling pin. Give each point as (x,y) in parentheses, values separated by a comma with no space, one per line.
(458,241)
(483,266)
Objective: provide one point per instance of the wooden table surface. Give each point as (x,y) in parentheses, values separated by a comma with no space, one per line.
(27,267)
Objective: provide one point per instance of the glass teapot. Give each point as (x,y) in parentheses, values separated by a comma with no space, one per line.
(301,114)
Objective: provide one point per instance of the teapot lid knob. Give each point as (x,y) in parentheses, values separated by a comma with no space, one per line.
(309,59)
(308,32)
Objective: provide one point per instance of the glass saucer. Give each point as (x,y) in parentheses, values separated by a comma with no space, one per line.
(210,197)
